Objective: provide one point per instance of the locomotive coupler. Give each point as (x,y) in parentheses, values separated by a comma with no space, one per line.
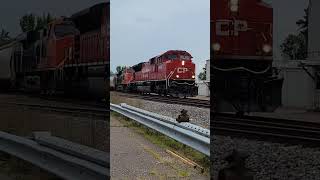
(183,117)
(236,169)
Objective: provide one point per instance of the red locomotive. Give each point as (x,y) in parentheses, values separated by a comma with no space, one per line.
(241,40)
(69,54)
(171,73)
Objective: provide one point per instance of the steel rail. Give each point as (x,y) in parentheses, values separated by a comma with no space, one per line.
(182,101)
(51,155)
(191,135)
(103,112)
(268,129)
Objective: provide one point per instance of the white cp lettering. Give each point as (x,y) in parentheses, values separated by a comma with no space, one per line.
(182,70)
(230,28)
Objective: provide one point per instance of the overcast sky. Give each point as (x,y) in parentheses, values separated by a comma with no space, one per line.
(142,29)
(286,13)
(12,10)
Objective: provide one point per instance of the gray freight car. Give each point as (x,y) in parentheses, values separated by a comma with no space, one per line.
(113,82)
(9,57)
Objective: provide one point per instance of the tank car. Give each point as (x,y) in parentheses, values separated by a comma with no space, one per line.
(241,53)
(171,73)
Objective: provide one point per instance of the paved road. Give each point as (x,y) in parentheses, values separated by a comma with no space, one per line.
(134,157)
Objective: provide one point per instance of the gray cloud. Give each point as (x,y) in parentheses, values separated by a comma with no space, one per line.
(142,29)
(12,10)
(286,13)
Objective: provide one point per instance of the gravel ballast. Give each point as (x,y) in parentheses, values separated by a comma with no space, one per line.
(269,161)
(198,116)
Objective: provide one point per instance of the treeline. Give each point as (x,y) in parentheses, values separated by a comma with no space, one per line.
(28,22)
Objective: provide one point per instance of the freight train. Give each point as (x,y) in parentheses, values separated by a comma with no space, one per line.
(171,73)
(241,51)
(69,55)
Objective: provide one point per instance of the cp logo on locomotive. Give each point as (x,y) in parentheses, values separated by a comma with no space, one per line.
(230,27)
(182,70)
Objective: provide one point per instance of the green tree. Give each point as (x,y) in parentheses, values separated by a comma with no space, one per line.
(120,69)
(294,47)
(31,22)
(4,37)
(43,20)
(203,75)
(303,25)
(28,22)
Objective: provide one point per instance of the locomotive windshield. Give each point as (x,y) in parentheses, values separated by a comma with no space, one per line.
(172,56)
(185,57)
(64,29)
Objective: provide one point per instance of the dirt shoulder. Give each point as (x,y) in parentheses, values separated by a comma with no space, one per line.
(135,157)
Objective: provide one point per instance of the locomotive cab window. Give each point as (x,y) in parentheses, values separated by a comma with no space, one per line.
(172,57)
(185,57)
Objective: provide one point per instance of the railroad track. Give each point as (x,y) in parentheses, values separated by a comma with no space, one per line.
(85,111)
(268,129)
(170,100)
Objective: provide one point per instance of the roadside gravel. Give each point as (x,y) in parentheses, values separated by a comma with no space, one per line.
(270,161)
(198,116)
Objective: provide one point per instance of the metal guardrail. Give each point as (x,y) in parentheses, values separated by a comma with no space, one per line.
(189,134)
(62,158)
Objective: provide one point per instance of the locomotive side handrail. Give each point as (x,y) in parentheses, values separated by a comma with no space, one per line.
(243,68)
(171,73)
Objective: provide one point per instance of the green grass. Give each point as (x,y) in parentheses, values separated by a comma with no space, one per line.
(166,143)
(117,99)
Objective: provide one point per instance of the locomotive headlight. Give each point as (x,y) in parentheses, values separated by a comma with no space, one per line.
(216,46)
(177,76)
(193,76)
(266,48)
(234,8)
(182,63)
(234,5)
